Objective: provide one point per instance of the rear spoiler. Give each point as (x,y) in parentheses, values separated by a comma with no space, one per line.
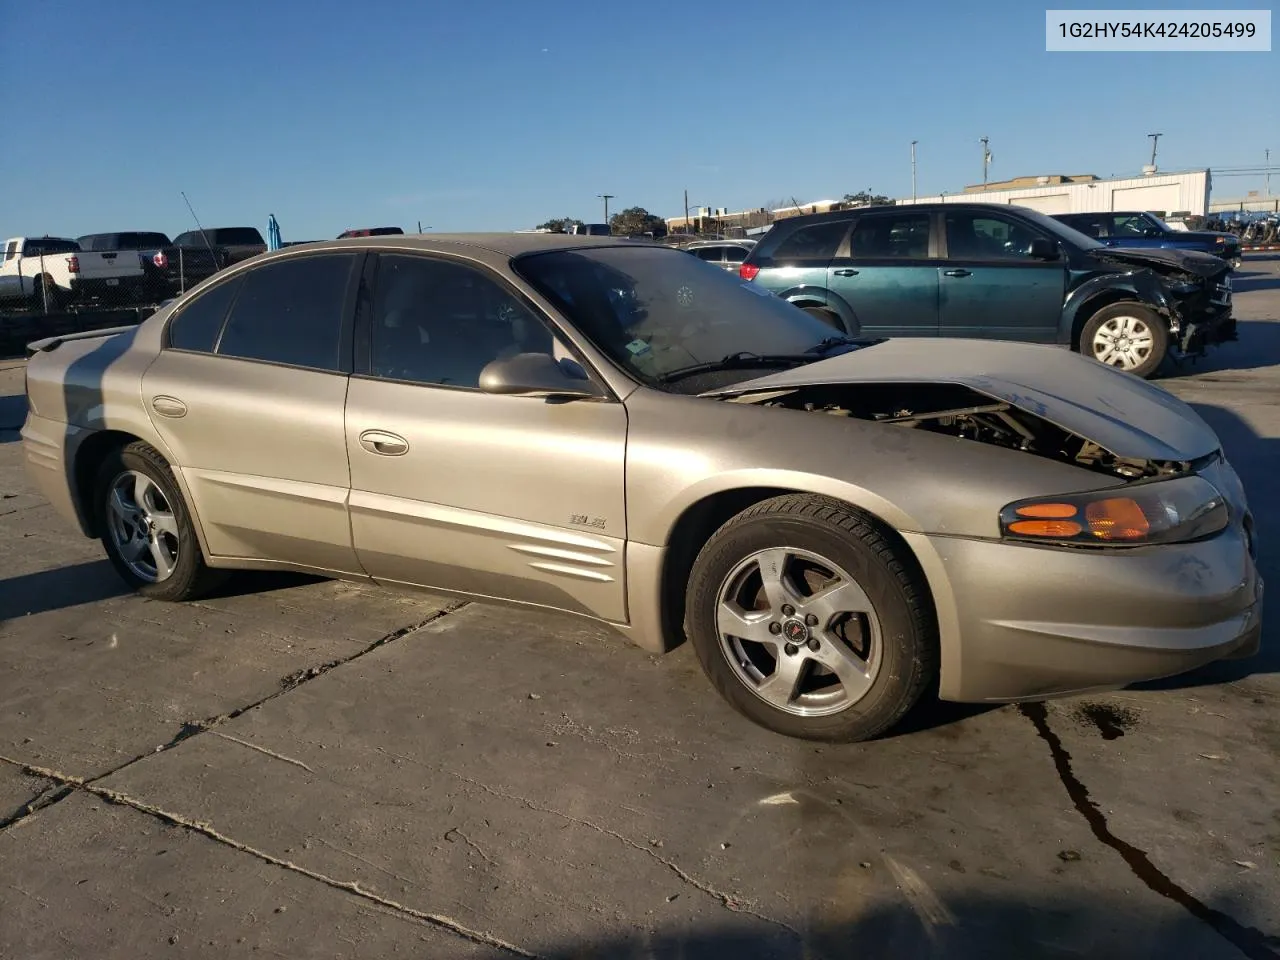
(52,343)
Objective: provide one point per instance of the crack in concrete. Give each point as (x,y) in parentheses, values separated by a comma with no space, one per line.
(72,784)
(728,900)
(191,728)
(1250,941)
(457,831)
(47,797)
(262,750)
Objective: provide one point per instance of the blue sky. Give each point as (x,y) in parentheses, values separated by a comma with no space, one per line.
(487,115)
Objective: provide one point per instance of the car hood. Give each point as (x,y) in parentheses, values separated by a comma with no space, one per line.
(1124,415)
(1163,260)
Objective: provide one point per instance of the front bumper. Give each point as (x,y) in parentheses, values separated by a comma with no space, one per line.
(1034,622)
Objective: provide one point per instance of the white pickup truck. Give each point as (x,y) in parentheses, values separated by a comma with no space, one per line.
(69,273)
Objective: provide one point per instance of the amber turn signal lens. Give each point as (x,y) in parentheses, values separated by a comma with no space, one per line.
(1046,528)
(1048,511)
(1117,519)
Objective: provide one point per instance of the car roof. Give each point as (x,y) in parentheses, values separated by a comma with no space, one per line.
(488,247)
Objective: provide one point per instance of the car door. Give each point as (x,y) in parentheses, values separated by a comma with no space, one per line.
(887,272)
(248,393)
(989,284)
(516,498)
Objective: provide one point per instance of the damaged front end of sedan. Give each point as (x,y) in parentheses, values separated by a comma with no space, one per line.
(965,413)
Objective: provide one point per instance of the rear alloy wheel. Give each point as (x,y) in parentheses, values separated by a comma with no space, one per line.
(147,529)
(809,622)
(1129,336)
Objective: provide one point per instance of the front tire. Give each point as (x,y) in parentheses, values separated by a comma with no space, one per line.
(147,529)
(1127,335)
(810,621)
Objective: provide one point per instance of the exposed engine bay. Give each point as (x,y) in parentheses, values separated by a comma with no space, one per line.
(958,411)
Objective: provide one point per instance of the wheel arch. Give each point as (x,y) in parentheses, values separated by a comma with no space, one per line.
(87,461)
(824,299)
(700,519)
(1087,302)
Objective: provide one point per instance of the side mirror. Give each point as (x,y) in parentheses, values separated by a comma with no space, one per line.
(536,375)
(1043,249)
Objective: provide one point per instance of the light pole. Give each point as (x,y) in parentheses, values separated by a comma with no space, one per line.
(606,197)
(1155,140)
(986,159)
(913,170)
(1267,181)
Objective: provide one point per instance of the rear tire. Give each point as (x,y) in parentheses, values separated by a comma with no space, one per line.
(147,529)
(826,316)
(810,621)
(1127,335)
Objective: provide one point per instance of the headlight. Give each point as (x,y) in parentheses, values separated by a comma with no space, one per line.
(1167,511)
(1219,239)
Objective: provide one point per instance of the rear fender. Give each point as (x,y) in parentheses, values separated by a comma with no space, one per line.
(807,296)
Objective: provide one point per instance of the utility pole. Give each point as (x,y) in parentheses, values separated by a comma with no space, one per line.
(606,197)
(1267,154)
(686,210)
(986,159)
(913,170)
(1155,140)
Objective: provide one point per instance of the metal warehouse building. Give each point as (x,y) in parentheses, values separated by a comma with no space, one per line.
(1161,193)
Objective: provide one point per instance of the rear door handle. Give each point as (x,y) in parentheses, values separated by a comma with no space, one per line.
(383,443)
(956,273)
(169,407)
(845,273)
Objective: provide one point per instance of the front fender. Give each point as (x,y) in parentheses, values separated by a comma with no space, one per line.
(1082,302)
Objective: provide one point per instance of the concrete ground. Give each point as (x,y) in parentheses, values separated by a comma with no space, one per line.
(314,769)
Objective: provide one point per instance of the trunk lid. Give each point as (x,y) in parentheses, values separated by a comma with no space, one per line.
(1124,415)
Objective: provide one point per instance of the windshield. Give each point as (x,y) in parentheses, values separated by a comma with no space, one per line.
(1156,222)
(1060,230)
(654,310)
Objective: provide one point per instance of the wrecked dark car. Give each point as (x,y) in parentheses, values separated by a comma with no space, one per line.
(626,433)
(995,272)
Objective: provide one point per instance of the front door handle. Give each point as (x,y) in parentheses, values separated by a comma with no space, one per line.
(956,273)
(845,272)
(170,407)
(383,443)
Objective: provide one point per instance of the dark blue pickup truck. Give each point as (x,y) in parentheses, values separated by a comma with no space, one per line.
(1145,230)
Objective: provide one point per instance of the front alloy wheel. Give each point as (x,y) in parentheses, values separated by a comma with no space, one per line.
(798,631)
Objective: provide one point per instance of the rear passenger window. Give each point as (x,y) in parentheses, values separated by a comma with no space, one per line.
(291,312)
(197,324)
(816,242)
(901,236)
(712,254)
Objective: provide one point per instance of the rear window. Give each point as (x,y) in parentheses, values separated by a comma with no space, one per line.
(38,245)
(818,241)
(123,241)
(238,236)
(194,238)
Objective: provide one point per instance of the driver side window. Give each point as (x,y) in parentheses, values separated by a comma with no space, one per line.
(982,236)
(440,322)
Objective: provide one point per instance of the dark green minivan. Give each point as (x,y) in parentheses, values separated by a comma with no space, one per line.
(994,271)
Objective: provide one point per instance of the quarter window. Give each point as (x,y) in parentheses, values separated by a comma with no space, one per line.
(197,324)
(893,236)
(980,236)
(816,242)
(291,311)
(439,322)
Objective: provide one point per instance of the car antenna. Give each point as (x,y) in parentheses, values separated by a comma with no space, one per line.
(204,235)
